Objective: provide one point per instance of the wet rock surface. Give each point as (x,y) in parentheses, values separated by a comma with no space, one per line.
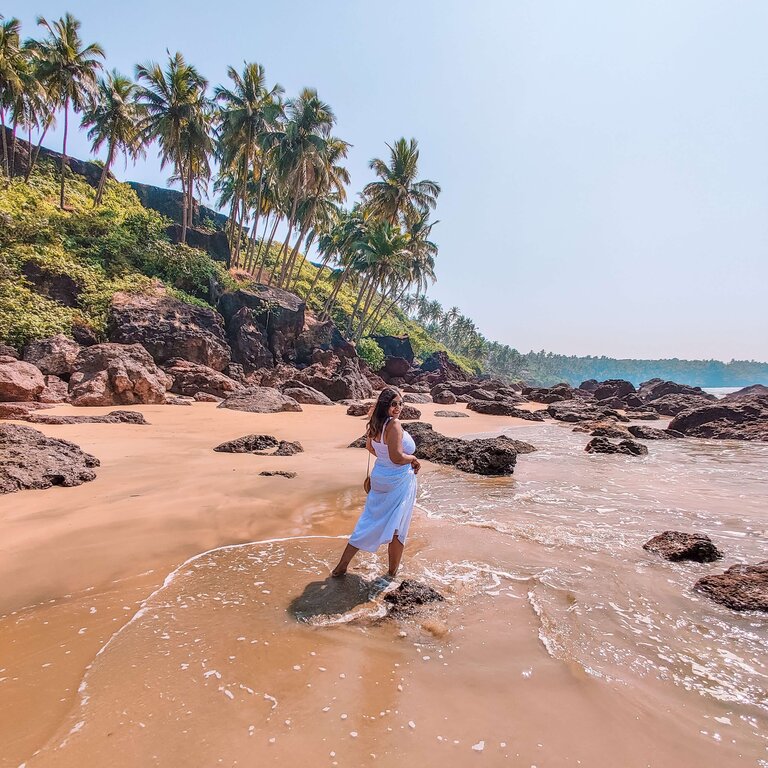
(604,445)
(502,408)
(671,405)
(642,432)
(741,587)
(483,456)
(677,545)
(582,410)
(116,374)
(410,596)
(31,460)
(742,419)
(260,400)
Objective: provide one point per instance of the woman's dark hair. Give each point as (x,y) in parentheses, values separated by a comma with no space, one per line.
(381,412)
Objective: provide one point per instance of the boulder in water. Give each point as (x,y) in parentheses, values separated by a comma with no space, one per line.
(410,596)
(741,587)
(604,445)
(676,545)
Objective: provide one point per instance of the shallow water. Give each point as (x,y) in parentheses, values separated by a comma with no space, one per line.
(561,641)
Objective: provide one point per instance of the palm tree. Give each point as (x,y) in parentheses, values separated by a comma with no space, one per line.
(300,149)
(68,69)
(398,196)
(247,112)
(177,115)
(115,118)
(12,65)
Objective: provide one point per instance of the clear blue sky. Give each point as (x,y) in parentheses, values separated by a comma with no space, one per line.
(604,164)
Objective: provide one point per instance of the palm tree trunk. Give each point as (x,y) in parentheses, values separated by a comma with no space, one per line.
(33,158)
(294,253)
(363,288)
(104,174)
(374,314)
(366,306)
(322,266)
(64,153)
(190,202)
(265,255)
(13,147)
(372,328)
(284,250)
(5,143)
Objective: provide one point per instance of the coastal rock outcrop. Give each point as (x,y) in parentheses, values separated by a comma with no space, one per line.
(484,456)
(419,398)
(642,432)
(258,444)
(191,378)
(502,408)
(342,379)
(741,587)
(54,356)
(409,413)
(443,367)
(613,388)
(604,445)
(743,419)
(56,390)
(444,397)
(116,374)
(582,410)
(19,381)
(671,405)
(677,545)
(653,389)
(20,411)
(29,459)
(304,394)
(260,400)
(452,414)
(168,328)
(755,390)
(395,346)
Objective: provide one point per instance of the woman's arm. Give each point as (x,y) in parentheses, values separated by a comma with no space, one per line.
(394,436)
(368,445)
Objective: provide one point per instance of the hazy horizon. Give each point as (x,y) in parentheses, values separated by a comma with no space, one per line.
(603,166)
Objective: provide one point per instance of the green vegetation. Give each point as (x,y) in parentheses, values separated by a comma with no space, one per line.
(86,253)
(372,353)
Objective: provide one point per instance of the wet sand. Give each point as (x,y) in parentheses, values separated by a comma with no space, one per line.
(152,614)
(87,556)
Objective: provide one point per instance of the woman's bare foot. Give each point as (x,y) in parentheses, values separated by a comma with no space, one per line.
(337,571)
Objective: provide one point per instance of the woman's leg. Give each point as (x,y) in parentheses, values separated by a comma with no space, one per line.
(346,557)
(395,551)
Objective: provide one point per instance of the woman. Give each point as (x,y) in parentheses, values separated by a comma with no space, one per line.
(388,508)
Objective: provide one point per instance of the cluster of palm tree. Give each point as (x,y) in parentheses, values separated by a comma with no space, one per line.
(278,163)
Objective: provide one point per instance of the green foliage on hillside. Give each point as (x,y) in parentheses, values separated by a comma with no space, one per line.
(94,253)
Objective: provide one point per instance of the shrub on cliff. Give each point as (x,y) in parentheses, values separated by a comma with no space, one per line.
(372,353)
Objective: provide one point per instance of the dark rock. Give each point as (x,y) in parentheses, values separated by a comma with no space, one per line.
(499,408)
(359,409)
(19,411)
(278,473)
(191,378)
(260,400)
(8,351)
(169,202)
(288,448)
(249,341)
(409,413)
(743,419)
(361,442)
(56,390)
(343,380)
(236,373)
(590,385)
(481,394)
(214,243)
(257,444)
(741,587)
(484,456)
(642,432)
(416,397)
(582,410)
(676,545)
(446,397)
(746,392)
(19,381)
(58,286)
(611,388)
(113,417)
(611,402)
(175,400)
(671,405)
(395,346)
(452,414)
(277,314)
(632,401)
(116,374)
(29,459)
(204,397)
(440,363)
(653,389)
(301,393)
(321,337)
(54,356)
(409,596)
(395,367)
(168,328)
(610,429)
(84,335)
(604,445)
(643,415)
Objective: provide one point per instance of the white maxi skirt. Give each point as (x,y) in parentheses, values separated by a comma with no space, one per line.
(388,508)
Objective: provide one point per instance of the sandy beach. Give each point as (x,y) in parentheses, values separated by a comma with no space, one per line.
(121,643)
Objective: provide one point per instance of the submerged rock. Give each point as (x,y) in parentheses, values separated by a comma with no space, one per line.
(671,405)
(642,432)
(260,400)
(676,545)
(741,587)
(604,445)
(29,459)
(409,596)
